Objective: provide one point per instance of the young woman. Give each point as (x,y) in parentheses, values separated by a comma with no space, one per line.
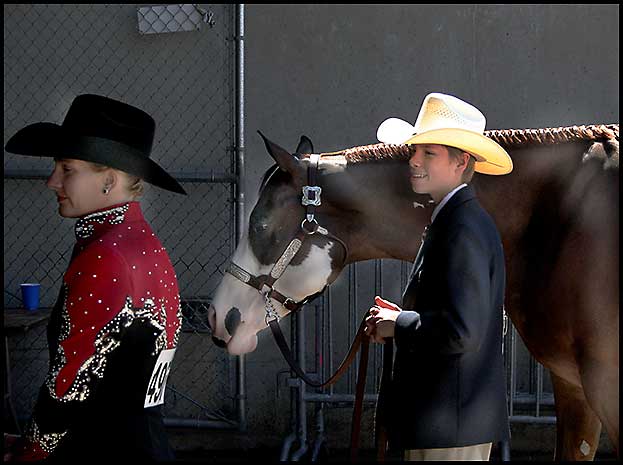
(113,331)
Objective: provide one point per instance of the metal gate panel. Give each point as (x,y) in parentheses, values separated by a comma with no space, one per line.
(322,332)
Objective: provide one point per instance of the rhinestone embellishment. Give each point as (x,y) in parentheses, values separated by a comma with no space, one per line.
(47,442)
(86,226)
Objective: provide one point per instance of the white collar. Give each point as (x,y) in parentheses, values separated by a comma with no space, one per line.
(445,200)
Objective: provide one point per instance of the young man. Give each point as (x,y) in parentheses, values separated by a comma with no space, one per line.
(447,396)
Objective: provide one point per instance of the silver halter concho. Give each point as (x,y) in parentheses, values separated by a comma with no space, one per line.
(309,226)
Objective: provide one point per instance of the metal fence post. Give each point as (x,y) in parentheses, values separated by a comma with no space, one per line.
(241,394)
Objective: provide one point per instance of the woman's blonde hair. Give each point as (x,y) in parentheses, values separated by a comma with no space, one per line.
(134,185)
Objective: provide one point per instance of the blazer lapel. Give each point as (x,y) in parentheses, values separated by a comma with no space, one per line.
(420,254)
(460,197)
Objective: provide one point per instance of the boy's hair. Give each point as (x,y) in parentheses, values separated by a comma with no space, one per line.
(471,164)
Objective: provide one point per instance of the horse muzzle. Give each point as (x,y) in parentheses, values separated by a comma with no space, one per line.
(231,323)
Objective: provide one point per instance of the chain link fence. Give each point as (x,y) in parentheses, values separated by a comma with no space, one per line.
(176,62)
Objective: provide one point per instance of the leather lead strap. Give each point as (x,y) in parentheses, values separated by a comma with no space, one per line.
(287,354)
(360,340)
(380,426)
(358,407)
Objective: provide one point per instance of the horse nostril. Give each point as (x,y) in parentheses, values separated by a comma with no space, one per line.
(232,320)
(212,317)
(219,342)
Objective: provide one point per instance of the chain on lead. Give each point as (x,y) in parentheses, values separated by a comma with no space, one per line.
(271,313)
(504,326)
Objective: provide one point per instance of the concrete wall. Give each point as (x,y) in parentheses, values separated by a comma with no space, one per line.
(334,72)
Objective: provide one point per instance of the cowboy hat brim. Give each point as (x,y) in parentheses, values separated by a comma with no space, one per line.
(491,157)
(52,140)
(394,131)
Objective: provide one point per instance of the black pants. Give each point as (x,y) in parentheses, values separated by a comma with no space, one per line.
(140,438)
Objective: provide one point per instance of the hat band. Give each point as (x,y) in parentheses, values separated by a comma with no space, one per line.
(123,157)
(108,152)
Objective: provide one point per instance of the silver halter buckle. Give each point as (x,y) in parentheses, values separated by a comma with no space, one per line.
(315,197)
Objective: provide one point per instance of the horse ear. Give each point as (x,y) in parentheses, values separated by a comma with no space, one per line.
(305,145)
(286,161)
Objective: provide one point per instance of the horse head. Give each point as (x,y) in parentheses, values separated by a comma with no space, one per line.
(315,214)
(239,310)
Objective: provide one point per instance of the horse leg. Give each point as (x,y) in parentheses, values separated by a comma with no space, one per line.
(577,426)
(601,388)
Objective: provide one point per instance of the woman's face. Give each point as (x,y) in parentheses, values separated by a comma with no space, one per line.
(78,187)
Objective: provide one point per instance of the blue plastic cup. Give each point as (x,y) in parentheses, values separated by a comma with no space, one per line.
(30,295)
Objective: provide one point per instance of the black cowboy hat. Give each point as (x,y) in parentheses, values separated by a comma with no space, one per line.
(100,130)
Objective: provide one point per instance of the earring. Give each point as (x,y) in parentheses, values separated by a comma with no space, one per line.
(106,190)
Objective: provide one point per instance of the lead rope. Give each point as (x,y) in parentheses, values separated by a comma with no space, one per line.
(287,354)
(362,374)
(380,423)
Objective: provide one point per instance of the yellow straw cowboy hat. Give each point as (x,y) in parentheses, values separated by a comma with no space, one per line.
(447,120)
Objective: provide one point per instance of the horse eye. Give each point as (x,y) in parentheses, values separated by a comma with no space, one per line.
(258,228)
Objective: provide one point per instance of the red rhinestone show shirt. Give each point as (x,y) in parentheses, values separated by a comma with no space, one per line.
(118,317)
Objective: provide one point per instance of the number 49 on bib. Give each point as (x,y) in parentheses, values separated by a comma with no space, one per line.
(158,380)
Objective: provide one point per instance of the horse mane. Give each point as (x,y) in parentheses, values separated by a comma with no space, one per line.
(606,134)
(522,137)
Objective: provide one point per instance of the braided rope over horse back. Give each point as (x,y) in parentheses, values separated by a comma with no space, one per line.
(504,137)
(514,137)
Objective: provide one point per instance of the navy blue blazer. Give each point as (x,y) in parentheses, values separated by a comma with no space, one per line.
(448,385)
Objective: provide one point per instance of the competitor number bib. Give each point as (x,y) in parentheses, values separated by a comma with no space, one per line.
(158,380)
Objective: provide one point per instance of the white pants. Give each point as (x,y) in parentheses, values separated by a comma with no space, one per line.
(477,452)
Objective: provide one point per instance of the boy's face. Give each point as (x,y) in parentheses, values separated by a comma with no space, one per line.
(434,171)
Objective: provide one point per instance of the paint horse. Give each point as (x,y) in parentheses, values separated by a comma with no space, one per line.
(558,216)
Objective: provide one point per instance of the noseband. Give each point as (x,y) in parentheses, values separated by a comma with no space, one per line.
(309,226)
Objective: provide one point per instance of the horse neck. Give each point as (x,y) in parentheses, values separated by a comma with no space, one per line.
(377,207)
(539,172)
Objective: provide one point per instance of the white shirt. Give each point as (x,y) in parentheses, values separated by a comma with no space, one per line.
(445,200)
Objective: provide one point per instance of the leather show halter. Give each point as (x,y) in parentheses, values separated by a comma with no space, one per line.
(264,285)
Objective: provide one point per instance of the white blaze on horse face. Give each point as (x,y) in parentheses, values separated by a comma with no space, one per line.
(297,282)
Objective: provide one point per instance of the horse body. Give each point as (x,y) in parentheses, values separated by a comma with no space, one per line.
(561,243)
(557,214)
